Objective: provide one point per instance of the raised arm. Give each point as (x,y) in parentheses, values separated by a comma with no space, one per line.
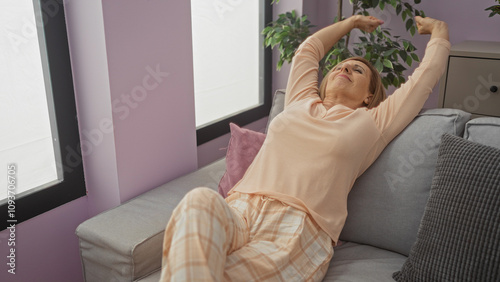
(303,78)
(397,111)
(333,33)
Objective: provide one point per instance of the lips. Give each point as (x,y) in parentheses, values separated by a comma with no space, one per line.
(344,76)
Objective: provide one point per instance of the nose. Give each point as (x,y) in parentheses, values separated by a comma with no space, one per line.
(345,68)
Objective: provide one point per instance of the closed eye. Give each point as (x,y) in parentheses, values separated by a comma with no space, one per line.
(359,69)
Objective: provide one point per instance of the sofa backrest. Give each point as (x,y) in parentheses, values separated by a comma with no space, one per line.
(387,202)
(484,130)
(277,107)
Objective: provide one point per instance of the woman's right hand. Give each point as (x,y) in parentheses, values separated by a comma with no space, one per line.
(366,23)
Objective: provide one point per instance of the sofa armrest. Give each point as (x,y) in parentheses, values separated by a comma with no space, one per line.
(125,243)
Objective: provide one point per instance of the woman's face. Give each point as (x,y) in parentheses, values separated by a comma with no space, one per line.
(349,82)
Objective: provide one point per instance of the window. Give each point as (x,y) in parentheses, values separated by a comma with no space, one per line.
(39,147)
(231,66)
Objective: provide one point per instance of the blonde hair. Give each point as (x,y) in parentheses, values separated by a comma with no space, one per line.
(376,86)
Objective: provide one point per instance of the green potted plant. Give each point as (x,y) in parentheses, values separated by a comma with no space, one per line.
(390,54)
(495,9)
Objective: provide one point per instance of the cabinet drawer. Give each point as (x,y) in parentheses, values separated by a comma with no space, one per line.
(469,85)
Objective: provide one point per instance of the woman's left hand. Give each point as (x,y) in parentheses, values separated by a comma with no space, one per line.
(437,28)
(367,23)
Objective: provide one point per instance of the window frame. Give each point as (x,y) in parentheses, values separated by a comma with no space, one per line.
(221,127)
(73,185)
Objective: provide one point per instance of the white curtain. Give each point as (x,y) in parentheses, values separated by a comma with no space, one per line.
(226,57)
(25,130)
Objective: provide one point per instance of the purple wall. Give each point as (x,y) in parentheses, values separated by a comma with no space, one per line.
(91,78)
(112,44)
(148,44)
(46,246)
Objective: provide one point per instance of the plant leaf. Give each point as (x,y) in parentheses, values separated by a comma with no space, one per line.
(408,60)
(381,5)
(403,55)
(409,23)
(406,44)
(388,64)
(389,52)
(378,65)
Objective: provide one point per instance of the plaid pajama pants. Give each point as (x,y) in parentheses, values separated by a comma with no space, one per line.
(243,238)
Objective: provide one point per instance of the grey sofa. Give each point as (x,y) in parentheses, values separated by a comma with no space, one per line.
(385,207)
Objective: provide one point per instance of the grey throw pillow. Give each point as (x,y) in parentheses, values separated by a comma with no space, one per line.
(459,235)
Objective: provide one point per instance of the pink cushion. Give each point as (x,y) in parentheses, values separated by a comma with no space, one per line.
(242,149)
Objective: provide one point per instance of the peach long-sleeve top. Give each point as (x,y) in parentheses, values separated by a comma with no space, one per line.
(312,156)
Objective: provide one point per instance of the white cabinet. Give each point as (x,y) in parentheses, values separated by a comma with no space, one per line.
(472,79)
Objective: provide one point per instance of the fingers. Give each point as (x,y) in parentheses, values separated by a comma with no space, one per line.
(374,22)
(425,25)
(437,28)
(418,21)
(368,23)
(377,21)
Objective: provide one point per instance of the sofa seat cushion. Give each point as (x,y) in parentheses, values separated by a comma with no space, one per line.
(351,262)
(125,243)
(153,277)
(356,262)
(387,202)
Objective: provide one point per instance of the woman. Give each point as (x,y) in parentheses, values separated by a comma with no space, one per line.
(281,221)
